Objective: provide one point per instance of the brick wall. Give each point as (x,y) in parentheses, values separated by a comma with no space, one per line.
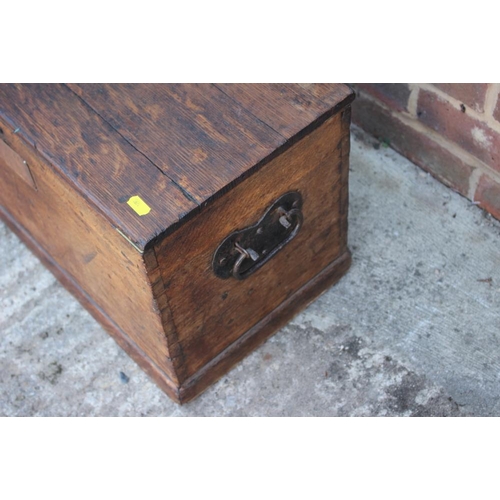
(451,130)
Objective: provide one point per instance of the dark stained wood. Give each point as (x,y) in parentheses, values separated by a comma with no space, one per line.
(287,108)
(337,96)
(188,131)
(207,160)
(191,131)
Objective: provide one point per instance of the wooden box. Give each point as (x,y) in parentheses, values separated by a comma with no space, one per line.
(192,221)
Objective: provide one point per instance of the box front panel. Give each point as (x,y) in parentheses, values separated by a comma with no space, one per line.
(209,312)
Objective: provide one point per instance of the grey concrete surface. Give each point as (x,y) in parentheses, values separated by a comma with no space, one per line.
(413,329)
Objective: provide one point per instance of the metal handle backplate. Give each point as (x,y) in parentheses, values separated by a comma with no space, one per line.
(246,250)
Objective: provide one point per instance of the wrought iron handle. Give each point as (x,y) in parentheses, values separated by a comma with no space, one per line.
(246,250)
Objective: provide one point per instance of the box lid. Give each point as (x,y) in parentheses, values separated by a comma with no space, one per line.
(148,155)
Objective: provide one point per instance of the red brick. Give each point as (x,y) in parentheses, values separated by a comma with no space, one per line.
(394,95)
(470,94)
(417,147)
(488,195)
(459,127)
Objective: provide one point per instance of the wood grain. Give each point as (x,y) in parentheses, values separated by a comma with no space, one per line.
(188,131)
(210,313)
(11,160)
(287,108)
(191,131)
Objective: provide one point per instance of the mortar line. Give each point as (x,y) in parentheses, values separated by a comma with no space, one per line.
(413,99)
(490,99)
(473,183)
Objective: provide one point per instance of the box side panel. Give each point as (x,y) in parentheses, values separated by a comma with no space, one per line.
(106,268)
(211,313)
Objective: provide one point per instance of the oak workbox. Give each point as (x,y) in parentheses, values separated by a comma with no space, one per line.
(192,221)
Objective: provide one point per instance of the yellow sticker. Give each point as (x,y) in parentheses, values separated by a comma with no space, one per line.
(138,205)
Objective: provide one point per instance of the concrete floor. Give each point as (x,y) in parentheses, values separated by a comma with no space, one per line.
(412,329)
